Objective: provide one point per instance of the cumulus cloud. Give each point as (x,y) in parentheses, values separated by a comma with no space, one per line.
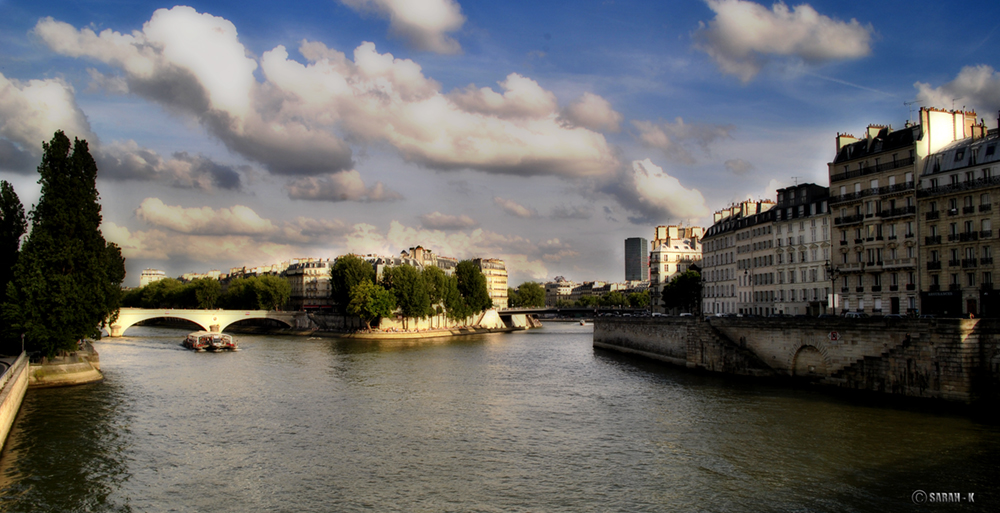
(653,195)
(30,113)
(514,208)
(977,87)
(676,139)
(237,220)
(298,120)
(744,35)
(156,244)
(424,24)
(739,167)
(439,221)
(126,160)
(593,112)
(342,186)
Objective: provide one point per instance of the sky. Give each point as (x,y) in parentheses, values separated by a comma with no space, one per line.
(543,133)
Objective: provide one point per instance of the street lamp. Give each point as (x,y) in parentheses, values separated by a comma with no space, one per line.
(832,272)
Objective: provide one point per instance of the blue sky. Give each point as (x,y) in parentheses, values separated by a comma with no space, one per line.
(543,133)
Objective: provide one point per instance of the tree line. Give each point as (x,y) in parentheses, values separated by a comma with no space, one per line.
(412,292)
(265,292)
(63,283)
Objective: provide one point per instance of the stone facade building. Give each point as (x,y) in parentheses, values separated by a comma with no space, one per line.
(802,250)
(873,202)
(496,280)
(310,282)
(675,249)
(733,246)
(958,187)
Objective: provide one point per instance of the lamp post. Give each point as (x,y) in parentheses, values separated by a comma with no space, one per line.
(832,272)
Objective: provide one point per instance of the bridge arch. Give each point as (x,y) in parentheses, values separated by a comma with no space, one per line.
(208,320)
(809,361)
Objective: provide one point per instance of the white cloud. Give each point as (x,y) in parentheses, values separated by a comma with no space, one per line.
(342,186)
(423,23)
(977,87)
(298,120)
(237,220)
(439,221)
(739,167)
(743,35)
(572,212)
(515,209)
(30,113)
(654,195)
(675,139)
(156,244)
(593,112)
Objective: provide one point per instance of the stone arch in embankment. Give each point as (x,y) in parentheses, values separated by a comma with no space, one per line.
(809,361)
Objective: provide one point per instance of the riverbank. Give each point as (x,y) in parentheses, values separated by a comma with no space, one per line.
(80,367)
(13,385)
(379,335)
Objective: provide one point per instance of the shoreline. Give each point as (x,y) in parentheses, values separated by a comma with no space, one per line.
(385,335)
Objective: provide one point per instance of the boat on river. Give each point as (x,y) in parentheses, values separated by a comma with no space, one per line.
(209,341)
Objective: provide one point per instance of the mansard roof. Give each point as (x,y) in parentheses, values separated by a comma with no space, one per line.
(885,140)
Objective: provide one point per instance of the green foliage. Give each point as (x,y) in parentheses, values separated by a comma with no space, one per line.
(256,293)
(614,299)
(528,294)
(472,286)
(638,299)
(683,292)
(67,280)
(370,301)
(348,271)
(588,301)
(407,284)
(13,225)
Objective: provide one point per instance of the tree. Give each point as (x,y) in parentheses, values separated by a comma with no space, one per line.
(683,292)
(348,271)
(256,293)
(529,294)
(638,299)
(67,280)
(407,285)
(472,286)
(370,301)
(207,292)
(613,298)
(13,224)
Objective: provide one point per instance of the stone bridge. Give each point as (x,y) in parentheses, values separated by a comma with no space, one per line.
(209,320)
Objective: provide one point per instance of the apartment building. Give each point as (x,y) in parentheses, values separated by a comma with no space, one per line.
(675,250)
(738,260)
(802,250)
(496,280)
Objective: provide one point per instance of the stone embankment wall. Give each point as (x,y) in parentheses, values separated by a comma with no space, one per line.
(13,385)
(952,359)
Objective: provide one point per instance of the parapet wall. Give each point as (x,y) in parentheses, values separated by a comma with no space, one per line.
(952,359)
(14,384)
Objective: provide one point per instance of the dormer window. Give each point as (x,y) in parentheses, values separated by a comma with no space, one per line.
(960,155)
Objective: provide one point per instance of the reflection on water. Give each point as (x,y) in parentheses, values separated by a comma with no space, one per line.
(534,421)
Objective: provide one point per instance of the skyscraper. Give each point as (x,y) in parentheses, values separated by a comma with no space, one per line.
(636,259)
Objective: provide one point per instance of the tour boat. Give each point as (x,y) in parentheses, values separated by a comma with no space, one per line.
(208,341)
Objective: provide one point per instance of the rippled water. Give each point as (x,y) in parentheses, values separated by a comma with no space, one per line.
(533,421)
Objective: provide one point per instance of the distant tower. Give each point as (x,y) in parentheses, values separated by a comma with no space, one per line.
(636,259)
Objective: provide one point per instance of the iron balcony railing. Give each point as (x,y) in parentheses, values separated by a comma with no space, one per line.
(958,187)
(872,169)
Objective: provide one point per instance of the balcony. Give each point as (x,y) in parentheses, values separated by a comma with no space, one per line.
(933,215)
(952,237)
(855,267)
(954,286)
(893,288)
(858,241)
(985,208)
(911,235)
(969,210)
(960,186)
(875,169)
(969,262)
(846,220)
(933,239)
(876,288)
(898,212)
(874,266)
(911,286)
(954,263)
(845,289)
(843,243)
(935,288)
(952,211)
(859,289)
(934,265)
(986,234)
(986,261)
(968,236)
(892,237)
(898,263)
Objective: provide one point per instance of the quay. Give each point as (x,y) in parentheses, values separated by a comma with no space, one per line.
(13,385)
(955,360)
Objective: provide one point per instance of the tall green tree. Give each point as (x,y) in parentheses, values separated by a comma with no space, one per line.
(256,293)
(370,301)
(638,299)
(472,286)
(13,224)
(348,271)
(529,294)
(684,292)
(67,281)
(407,284)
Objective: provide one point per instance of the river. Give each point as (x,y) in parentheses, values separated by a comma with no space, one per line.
(533,421)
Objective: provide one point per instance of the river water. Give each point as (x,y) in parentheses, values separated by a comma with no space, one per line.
(534,421)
